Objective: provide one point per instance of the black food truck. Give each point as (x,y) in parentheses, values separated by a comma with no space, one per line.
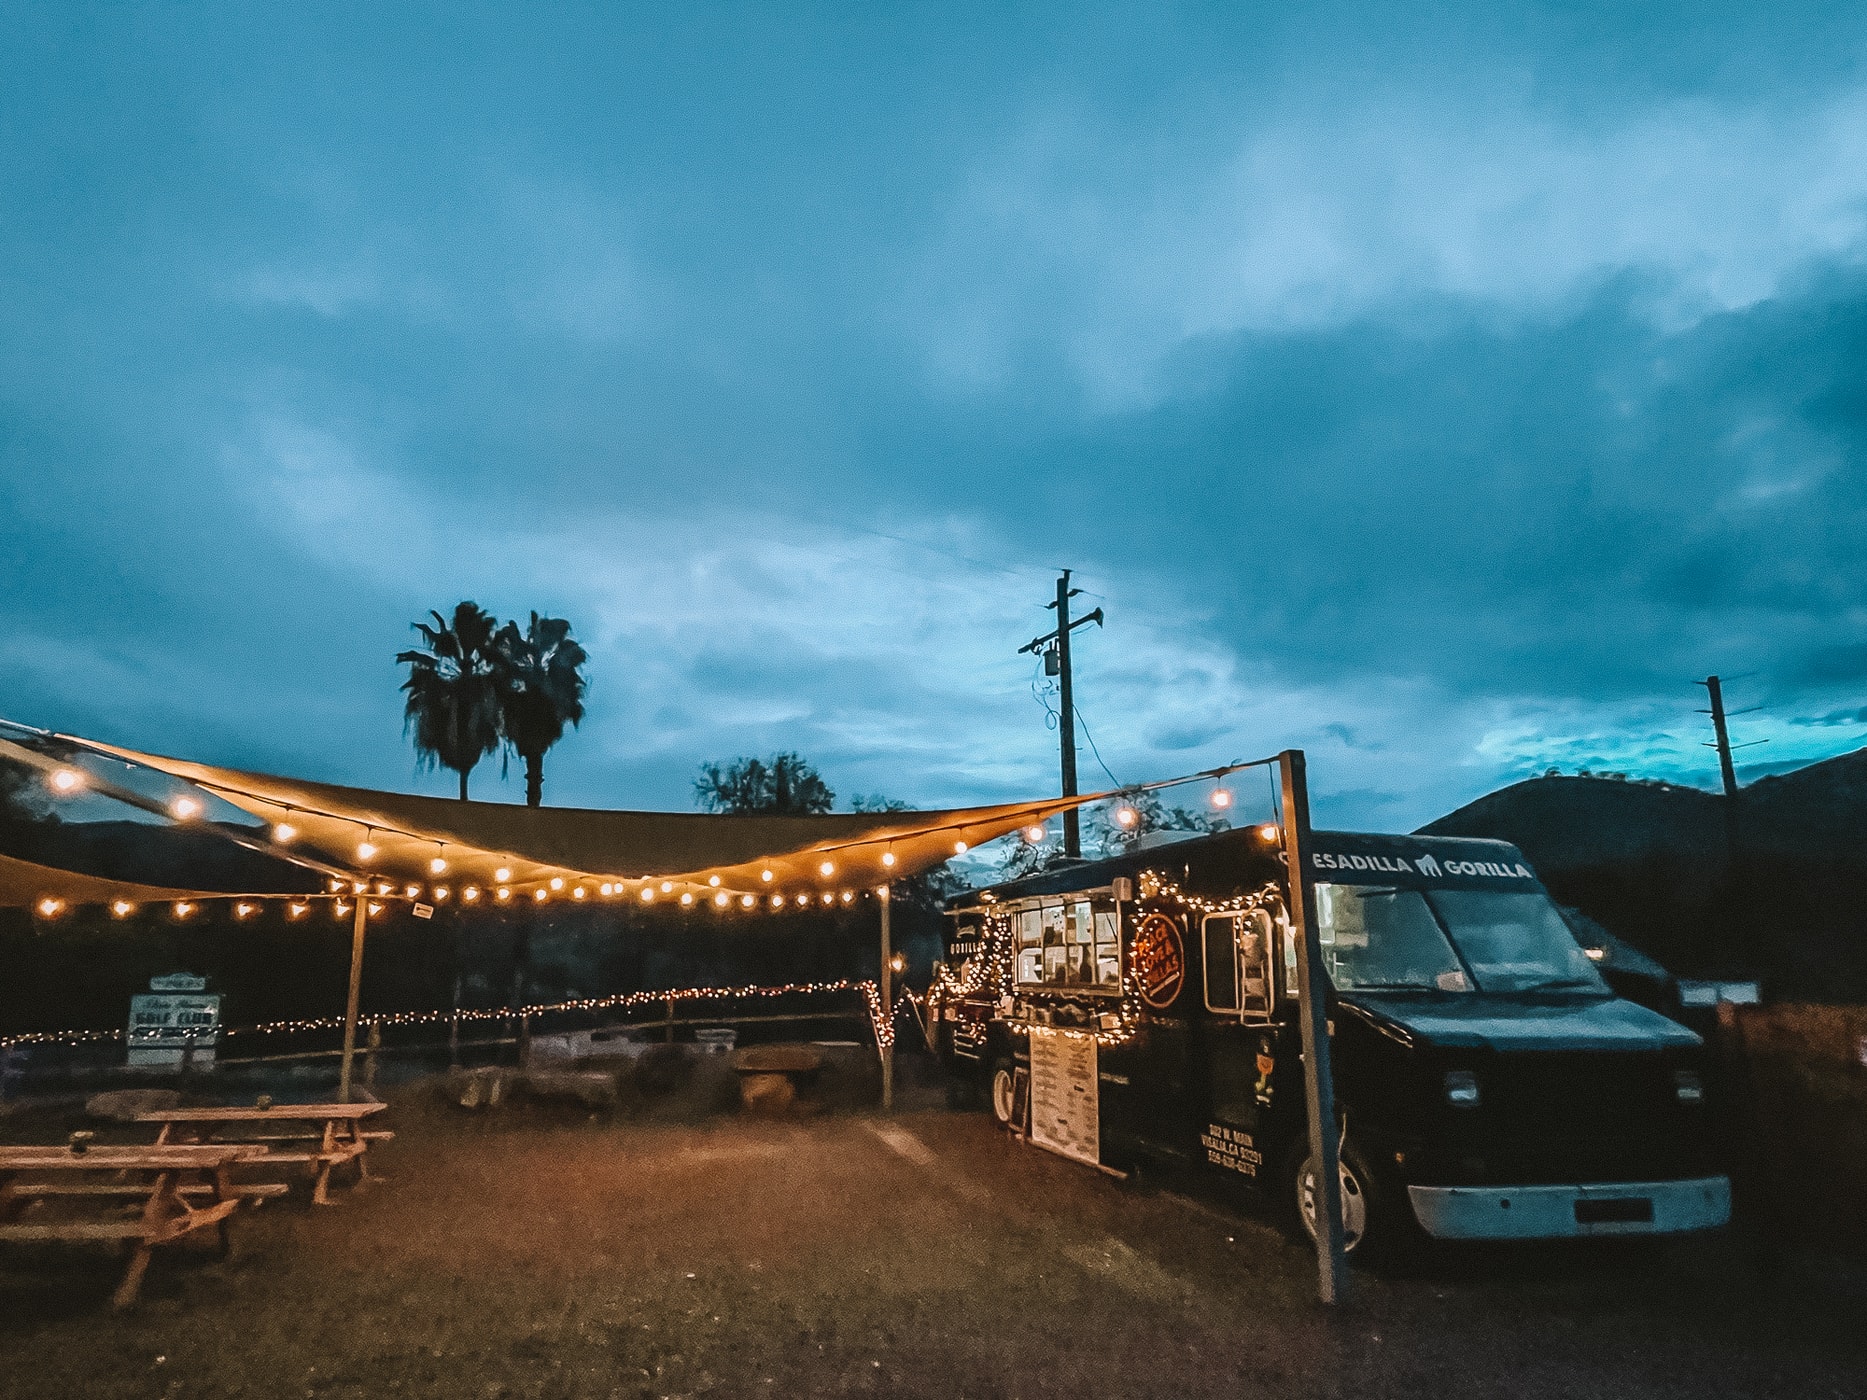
(1491,1085)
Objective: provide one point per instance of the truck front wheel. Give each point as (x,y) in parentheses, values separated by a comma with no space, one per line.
(1365,1225)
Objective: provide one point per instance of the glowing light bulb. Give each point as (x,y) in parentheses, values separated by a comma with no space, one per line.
(471,893)
(67,780)
(375,908)
(888,858)
(1221,797)
(185,807)
(687,898)
(721,898)
(1034,834)
(501,875)
(714,881)
(296,911)
(440,893)
(437,865)
(122,908)
(1126,816)
(827,868)
(777,901)
(667,887)
(557,882)
(48,906)
(412,891)
(746,900)
(340,909)
(183,909)
(959,848)
(605,889)
(848,895)
(240,911)
(765,875)
(577,893)
(366,850)
(1268,833)
(828,898)
(803,899)
(285,833)
(504,893)
(648,894)
(539,896)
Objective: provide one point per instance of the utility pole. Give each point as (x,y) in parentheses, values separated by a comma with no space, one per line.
(1723,744)
(1057,663)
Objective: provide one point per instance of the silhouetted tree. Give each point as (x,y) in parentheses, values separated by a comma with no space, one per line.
(786,786)
(541,686)
(453,705)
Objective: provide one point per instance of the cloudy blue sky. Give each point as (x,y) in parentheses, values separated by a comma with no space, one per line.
(1443,395)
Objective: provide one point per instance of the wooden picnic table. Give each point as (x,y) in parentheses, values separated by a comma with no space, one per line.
(322,1135)
(31,1177)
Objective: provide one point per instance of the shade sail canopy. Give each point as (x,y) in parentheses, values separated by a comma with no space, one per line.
(419,846)
(26,883)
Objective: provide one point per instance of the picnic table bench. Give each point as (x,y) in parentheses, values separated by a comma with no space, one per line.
(320,1135)
(30,1177)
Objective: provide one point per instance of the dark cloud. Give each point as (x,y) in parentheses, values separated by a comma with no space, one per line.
(1447,393)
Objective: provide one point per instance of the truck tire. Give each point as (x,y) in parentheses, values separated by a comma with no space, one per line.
(1002,1095)
(1375,1216)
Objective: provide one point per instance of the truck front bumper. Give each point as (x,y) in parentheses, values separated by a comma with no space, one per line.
(1568,1212)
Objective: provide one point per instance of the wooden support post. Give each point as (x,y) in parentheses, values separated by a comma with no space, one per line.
(374,1044)
(1313,1014)
(453,1029)
(885,1042)
(350,1005)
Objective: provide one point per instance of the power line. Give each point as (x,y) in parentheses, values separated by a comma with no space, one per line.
(1094,750)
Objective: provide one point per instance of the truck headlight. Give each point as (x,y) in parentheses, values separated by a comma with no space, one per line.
(1461,1088)
(1689,1087)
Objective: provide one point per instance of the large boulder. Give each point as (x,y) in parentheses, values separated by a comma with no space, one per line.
(768,1095)
(123,1105)
(595,1089)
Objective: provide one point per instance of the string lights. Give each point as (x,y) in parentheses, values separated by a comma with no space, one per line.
(621,1001)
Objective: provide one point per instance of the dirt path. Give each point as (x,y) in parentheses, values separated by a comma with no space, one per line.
(925,1255)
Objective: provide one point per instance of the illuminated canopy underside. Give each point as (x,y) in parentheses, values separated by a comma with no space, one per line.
(642,855)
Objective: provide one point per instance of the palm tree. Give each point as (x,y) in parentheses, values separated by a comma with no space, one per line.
(453,691)
(541,690)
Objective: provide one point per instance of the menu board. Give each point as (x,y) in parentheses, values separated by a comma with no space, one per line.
(1064,1110)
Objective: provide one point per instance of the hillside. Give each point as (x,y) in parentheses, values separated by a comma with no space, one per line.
(1773,894)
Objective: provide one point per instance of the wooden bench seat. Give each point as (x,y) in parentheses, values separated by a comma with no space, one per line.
(256,1190)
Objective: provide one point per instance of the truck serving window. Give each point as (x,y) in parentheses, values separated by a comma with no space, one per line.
(1373,937)
(1515,941)
(1068,945)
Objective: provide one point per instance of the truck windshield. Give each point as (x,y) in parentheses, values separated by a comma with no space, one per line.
(1515,941)
(1373,937)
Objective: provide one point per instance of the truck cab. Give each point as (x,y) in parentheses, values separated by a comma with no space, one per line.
(1490,1083)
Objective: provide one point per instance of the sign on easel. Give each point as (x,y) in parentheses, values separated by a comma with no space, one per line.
(1065,1112)
(174,1023)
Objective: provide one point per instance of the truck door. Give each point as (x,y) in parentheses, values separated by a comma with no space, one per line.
(1239,1045)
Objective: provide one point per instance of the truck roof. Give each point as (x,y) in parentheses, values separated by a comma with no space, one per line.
(1204,862)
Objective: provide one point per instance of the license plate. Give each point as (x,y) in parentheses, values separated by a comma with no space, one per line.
(1631,1210)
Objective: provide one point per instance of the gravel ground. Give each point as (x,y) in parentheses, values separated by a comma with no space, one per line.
(927,1254)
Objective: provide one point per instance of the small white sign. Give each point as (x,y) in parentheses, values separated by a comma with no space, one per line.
(165,1026)
(178,982)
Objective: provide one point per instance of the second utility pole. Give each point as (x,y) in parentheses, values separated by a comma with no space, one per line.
(1059,641)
